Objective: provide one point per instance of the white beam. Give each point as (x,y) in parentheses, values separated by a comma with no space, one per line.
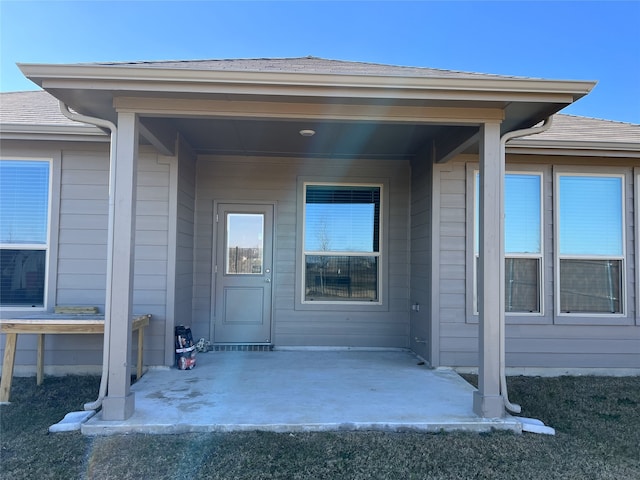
(159,134)
(206,108)
(487,400)
(119,403)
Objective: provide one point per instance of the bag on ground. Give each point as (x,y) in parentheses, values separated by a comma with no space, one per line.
(185,348)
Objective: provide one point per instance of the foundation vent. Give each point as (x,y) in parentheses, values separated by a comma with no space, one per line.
(242,348)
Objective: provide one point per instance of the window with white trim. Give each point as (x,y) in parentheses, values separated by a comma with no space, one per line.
(341,245)
(24,231)
(523,242)
(590,244)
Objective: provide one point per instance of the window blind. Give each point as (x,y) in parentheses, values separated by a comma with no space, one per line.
(24,201)
(590,215)
(342,218)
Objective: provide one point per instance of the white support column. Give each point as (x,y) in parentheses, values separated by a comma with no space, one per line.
(488,401)
(119,403)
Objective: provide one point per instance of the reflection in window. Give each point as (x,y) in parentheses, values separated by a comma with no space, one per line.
(341,243)
(23,273)
(523,241)
(590,242)
(24,223)
(341,277)
(245,237)
(590,286)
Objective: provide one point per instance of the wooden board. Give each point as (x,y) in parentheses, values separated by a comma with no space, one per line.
(76,310)
(56,323)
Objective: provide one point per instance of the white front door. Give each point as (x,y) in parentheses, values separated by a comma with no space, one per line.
(243,273)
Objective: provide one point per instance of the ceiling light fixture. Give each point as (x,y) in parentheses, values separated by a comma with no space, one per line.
(307,133)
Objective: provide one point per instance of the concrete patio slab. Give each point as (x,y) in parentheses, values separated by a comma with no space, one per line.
(303,390)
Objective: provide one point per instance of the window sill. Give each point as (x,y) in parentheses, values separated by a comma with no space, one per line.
(606,320)
(520,319)
(342,306)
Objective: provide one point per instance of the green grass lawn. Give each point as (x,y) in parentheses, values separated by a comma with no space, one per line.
(597,421)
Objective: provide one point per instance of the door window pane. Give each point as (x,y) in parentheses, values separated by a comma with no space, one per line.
(245,243)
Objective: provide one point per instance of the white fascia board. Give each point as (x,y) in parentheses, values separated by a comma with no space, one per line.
(52,132)
(323,84)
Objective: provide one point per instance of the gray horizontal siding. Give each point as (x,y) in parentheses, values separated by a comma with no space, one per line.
(184,241)
(451,289)
(421,327)
(276,180)
(82,250)
(82,253)
(537,341)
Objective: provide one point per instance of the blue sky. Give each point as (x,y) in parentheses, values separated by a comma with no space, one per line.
(581,40)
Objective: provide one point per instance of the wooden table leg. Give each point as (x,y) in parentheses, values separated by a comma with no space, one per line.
(40,360)
(140,344)
(7,366)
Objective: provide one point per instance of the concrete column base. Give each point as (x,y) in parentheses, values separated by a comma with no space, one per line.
(488,406)
(118,408)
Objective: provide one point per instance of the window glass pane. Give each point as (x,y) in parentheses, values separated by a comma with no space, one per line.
(590,286)
(522,281)
(336,278)
(342,219)
(22,277)
(590,215)
(522,229)
(522,285)
(522,213)
(245,237)
(24,199)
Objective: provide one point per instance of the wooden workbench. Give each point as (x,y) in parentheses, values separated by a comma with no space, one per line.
(54,323)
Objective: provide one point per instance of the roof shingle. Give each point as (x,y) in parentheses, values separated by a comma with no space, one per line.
(310,64)
(31,108)
(572,128)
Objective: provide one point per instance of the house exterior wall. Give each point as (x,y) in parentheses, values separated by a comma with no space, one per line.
(185,234)
(81,198)
(237,179)
(428,209)
(421,259)
(545,340)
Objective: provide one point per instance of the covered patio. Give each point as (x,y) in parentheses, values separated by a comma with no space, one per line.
(301,390)
(247,137)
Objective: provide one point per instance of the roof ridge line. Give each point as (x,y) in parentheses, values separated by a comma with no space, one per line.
(306,57)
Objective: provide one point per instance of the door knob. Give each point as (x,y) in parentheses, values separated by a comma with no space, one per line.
(267,280)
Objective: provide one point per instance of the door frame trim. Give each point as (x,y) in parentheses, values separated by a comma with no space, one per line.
(214,254)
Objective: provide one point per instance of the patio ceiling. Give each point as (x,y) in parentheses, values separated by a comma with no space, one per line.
(336,139)
(261,135)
